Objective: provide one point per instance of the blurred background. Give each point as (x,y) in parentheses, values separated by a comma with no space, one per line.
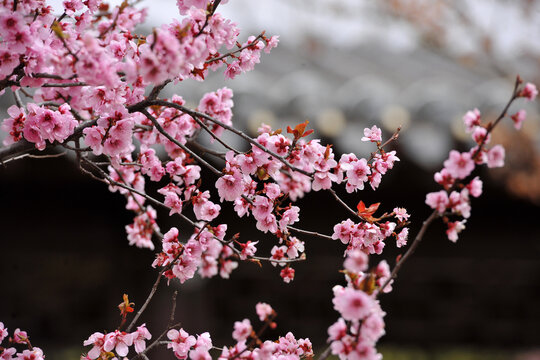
(343,65)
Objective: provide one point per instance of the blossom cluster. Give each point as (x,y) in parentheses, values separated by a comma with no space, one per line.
(355,333)
(96,87)
(454,177)
(117,341)
(369,236)
(19,338)
(249,345)
(204,251)
(92,59)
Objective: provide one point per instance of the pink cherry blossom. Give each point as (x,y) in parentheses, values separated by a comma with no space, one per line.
(181,342)
(356,261)
(459,203)
(139,337)
(475,187)
(272,43)
(141,230)
(248,249)
(97,339)
(401,214)
(480,135)
(3,332)
(269,223)
(357,175)
(459,165)
(289,217)
(119,341)
(263,310)
(337,330)
(374,134)
(529,92)
(262,207)
(226,268)
(472,119)
(287,274)
(20,337)
(294,247)
(230,186)
(444,178)
(438,200)
(204,342)
(401,238)
(199,354)
(242,330)
(382,273)
(7,354)
(209,211)
(185,5)
(495,156)
(454,228)
(352,304)
(272,190)
(518,118)
(34,354)
(173,202)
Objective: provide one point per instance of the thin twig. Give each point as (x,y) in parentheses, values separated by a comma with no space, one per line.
(411,249)
(179,144)
(18,100)
(345,206)
(194,113)
(173,309)
(65,84)
(310,233)
(203,125)
(253,43)
(205,150)
(326,353)
(150,296)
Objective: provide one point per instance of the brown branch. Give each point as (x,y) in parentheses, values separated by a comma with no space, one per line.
(310,233)
(205,150)
(253,43)
(410,251)
(194,113)
(344,205)
(147,301)
(173,308)
(17,98)
(6,82)
(179,144)
(203,125)
(64,84)
(51,76)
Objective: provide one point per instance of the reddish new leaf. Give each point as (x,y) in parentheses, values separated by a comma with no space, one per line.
(367,212)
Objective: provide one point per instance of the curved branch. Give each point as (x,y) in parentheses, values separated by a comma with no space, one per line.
(411,249)
(194,113)
(23,146)
(310,233)
(179,144)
